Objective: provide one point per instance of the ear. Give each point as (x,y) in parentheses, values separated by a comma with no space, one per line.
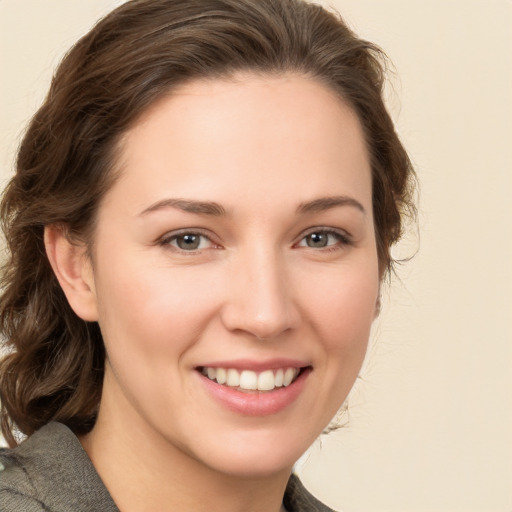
(73,270)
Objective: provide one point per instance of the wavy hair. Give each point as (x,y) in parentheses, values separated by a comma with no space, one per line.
(54,362)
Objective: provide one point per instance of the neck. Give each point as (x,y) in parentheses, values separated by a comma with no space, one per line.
(145,472)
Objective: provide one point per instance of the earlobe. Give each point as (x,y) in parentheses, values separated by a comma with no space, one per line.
(73,270)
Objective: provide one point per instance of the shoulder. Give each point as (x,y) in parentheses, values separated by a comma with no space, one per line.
(17,490)
(14,502)
(298,499)
(51,471)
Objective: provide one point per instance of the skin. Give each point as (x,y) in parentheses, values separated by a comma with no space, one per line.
(255,289)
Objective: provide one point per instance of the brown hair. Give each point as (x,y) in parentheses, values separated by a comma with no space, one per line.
(53,368)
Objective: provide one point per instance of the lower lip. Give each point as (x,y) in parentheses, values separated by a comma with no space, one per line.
(256,403)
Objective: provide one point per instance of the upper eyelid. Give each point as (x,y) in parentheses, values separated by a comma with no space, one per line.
(187,231)
(343,239)
(172,235)
(210,236)
(326,229)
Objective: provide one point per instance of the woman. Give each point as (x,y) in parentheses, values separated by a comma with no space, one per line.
(198,228)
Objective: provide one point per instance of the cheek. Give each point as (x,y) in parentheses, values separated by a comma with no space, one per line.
(343,306)
(342,317)
(341,312)
(151,313)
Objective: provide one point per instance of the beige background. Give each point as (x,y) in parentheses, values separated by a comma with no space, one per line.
(430,423)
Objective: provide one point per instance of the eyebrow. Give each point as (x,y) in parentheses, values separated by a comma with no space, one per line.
(217,210)
(326,203)
(187,205)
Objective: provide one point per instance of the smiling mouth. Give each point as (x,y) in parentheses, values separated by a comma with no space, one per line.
(250,381)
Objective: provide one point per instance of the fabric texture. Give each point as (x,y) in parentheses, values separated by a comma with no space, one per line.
(51,472)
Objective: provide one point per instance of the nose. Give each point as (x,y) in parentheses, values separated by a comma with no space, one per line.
(260,299)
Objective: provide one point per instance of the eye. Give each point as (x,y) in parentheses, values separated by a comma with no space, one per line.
(323,238)
(188,241)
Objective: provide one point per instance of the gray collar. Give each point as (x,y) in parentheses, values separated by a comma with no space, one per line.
(52,468)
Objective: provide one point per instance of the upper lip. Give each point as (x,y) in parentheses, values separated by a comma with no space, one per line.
(256,366)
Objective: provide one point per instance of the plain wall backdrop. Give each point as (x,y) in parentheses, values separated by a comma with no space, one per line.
(430,421)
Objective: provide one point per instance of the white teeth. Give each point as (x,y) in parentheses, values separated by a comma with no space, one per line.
(266,381)
(279,378)
(289,375)
(250,380)
(221,376)
(233,378)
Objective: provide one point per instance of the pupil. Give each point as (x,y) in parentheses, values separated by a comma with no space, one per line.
(317,240)
(188,242)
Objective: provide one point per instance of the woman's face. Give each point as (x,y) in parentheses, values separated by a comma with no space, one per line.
(236,250)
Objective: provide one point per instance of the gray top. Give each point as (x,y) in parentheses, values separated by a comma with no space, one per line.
(51,472)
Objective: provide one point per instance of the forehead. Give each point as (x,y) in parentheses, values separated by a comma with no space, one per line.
(251,134)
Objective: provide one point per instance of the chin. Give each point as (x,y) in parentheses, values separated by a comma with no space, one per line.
(256,454)
(261,465)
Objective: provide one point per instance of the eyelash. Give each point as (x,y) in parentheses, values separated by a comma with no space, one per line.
(343,240)
(168,240)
